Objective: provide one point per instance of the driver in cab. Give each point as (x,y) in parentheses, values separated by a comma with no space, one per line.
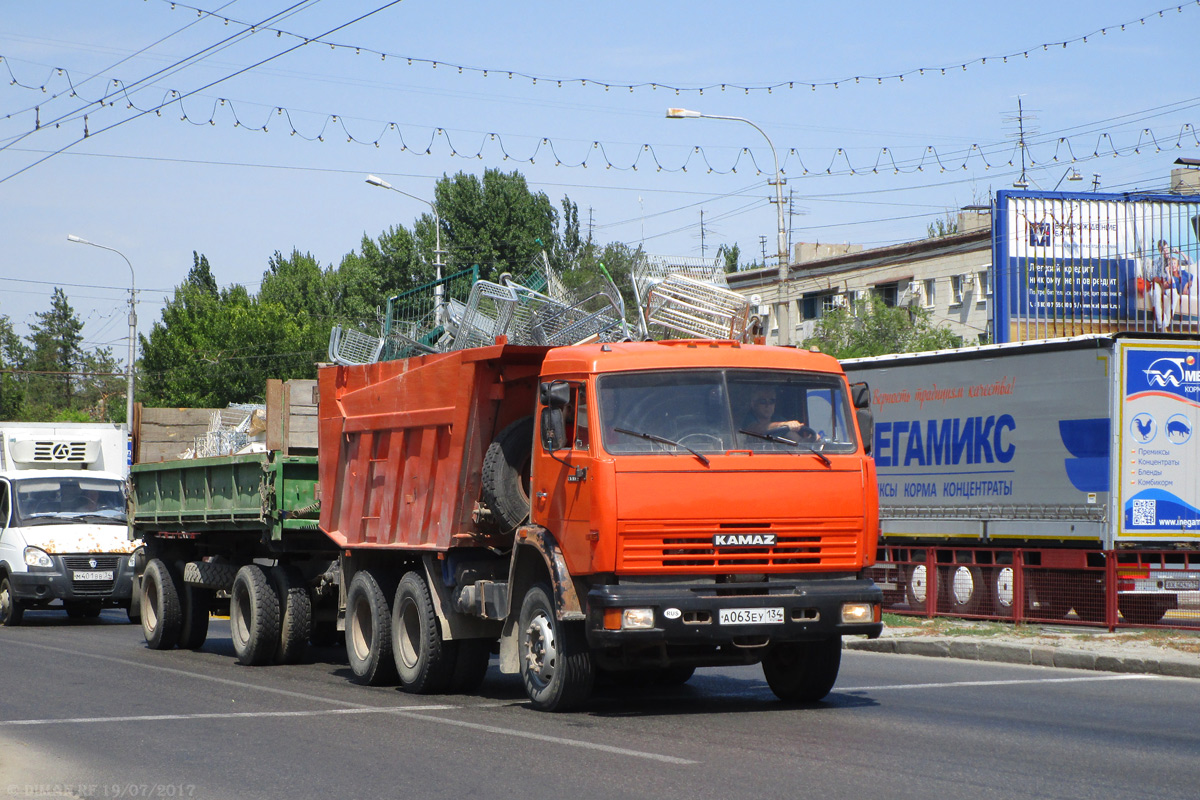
(761,418)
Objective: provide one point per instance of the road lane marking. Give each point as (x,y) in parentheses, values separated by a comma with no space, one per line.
(416,712)
(1017,682)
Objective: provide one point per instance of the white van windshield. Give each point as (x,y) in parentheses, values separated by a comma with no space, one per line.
(45,500)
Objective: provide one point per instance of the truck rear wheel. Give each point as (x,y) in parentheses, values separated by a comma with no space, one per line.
(295,608)
(11,609)
(505,474)
(162,616)
(197,605)
(1002,588)
(803,672)
(424,662)
(556,666)
(253,616)
(471,666)
(369,632)
(916,588)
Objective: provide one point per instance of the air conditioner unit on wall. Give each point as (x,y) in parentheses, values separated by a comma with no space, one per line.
(968,280)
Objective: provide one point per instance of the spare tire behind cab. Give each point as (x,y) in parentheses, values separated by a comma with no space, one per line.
(505,475)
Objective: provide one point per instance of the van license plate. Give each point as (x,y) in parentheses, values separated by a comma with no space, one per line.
(750,616)
(93,575)
(1182,585)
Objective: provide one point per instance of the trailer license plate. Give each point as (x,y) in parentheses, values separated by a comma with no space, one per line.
(93,575)
(750,616)
(1182,585)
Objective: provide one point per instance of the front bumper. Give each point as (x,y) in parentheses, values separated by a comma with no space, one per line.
(69,580)
(689,614)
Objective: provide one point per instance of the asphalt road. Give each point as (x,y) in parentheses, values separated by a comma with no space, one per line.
(87,711)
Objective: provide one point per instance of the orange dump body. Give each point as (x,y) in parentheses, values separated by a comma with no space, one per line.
(402,443)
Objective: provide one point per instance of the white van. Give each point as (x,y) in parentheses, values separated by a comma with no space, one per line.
(64,535)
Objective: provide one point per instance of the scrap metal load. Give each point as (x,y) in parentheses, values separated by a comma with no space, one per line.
(673,296)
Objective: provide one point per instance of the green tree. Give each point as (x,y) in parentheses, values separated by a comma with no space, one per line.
(56,354)
(13,354)
(941,227)
(732,254)
(878,329)
(495,222)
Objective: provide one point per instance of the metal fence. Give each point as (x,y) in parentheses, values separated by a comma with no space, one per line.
(1074,587)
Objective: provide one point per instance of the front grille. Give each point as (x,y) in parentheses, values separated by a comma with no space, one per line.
(84,563)
(660,547)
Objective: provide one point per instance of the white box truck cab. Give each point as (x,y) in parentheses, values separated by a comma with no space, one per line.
(62,510)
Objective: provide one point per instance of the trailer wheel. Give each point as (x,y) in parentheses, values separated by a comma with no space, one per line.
(369,632)
(253,616)
(134,609)
(1144,610)
(505,474)
(966,589)
(916,588)
(197,606)
(295,609)
(162,616)
(424,662)
(556,666)
(803,672)
(1002,588)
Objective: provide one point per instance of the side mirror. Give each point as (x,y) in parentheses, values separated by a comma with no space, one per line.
(866,424)
(555,394)
(554,429)
(860,394)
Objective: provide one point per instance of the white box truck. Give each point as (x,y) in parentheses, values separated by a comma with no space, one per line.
(62,507)
(1075,461)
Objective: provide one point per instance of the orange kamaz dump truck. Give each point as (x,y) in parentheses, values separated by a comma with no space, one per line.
(642,508)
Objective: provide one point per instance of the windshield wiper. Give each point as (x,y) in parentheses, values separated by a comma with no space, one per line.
(662,440)
(815,450)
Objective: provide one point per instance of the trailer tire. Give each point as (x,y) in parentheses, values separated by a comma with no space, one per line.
(295,613)
(556,665)
(134,609)
(1002,590)
(253,617)
(369,632)
(471,666)
(425,662)
(966,589)
(162,616)
(197,606)
(1144,610)
(916,588)
(505,474)
(803,672)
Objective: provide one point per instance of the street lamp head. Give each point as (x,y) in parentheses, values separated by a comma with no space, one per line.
(682,113)
(375,180)
(73,238)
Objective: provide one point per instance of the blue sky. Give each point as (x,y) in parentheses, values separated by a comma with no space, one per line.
(157,187)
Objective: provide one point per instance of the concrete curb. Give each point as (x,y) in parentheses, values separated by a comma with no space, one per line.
(1006,653)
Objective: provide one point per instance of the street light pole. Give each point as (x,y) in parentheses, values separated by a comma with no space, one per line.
(438,304)
(132,328)
(785,331)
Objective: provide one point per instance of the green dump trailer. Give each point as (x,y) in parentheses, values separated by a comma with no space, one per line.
(240,529)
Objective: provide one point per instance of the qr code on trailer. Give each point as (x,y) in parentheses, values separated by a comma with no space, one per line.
(1144,512)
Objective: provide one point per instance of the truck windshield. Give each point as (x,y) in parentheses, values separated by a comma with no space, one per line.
(713,411)
(47,501)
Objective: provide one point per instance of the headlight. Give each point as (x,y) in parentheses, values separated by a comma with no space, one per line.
(35,557)
(858,612)
(616,619)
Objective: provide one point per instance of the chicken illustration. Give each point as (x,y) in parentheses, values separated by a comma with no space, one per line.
(1144,425)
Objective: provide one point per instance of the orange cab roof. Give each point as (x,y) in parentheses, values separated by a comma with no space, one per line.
(682,353)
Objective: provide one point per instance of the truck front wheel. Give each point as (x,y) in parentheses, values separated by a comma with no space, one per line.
(555,663)
(803,672)
(424,662)
(253,616)
(162,615)
(369,632)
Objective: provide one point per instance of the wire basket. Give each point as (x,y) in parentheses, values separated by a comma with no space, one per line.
(418,320)
(702,310)
(348,346)
(649,270)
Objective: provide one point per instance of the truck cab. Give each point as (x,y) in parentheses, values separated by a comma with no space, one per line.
(63,531)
